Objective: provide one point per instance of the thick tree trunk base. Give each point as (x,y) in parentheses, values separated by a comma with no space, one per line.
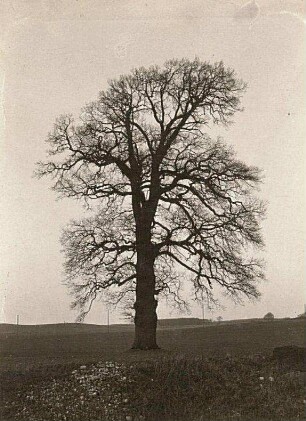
(145,304)
(145,338)
(145,325)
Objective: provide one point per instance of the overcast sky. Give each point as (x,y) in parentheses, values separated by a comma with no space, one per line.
(56,56)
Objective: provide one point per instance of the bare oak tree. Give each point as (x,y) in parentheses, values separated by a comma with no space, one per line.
(167,197)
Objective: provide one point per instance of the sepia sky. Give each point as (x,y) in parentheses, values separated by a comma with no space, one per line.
(55,56)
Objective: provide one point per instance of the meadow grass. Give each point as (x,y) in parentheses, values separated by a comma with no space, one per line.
(163,389)
(112,383)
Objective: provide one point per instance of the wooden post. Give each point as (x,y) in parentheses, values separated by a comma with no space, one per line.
(108,320)
(17,323)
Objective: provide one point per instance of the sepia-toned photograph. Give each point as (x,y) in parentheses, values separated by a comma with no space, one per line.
(152,210)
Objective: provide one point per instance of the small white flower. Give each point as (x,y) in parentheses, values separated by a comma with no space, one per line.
(271,379)
(125,400)
(261,378)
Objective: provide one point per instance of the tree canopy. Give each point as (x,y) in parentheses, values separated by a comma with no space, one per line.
(158,186)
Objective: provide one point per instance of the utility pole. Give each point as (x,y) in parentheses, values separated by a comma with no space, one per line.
(17,323)
(202,307)
(107,320)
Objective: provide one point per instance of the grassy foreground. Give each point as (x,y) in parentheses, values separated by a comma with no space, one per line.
(250,388)
(223,377)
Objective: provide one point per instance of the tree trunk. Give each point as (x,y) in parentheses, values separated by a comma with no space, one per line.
(145,305)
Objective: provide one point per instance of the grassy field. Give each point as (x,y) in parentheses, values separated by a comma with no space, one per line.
(213,372)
